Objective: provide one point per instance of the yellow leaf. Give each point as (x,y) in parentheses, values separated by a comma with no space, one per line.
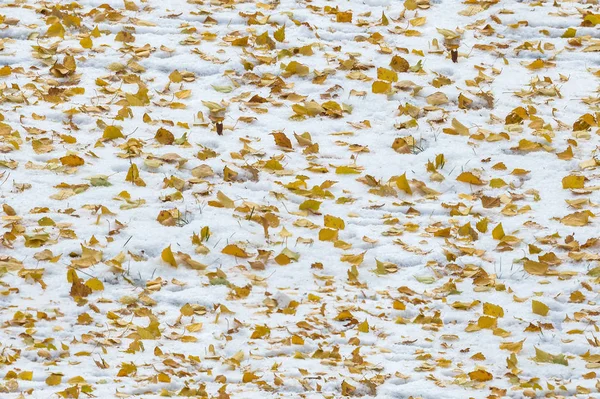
(576,219)
(26,375)
(279,34)
(347,389)
(112,132)
(313,205)
(514,347)
(539,308)
(497,183)
(194,327)
(167,256)
(273,164)
(297,340)
(490,309)
(384,20)
(384,268)
(56,30)
(592,19)
(328,235)
(528,145)
(164,137)
(249,377)
(260,332)
(54,379)
(282,259)
(480,375)
(133,175)
(387,75)
(175,76)
(355,260)
(566,154)
(343,16)
(403,185)
(410,5)
(96,32)
(363,327)
(346,170)
(463,101)
(5,70)
(448,34)
(468,177)
(570,32)
(334,222)
(399,64)
(95,284)
(344,315)
(72,160)
(459,127)
(380,87)
(537,64)
(182,94)
(418,21)
(573,181)
(234,250)
(482,225)
(86,42)
(545,357)
(225,200)
(296,68)
(486,322)
(536,268)
(498,232)
(240,42)
(127,369)
(437,98)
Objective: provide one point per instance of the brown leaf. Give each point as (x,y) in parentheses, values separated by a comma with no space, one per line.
(78,289)
(282,140)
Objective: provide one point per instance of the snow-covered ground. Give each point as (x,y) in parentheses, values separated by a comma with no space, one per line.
(375,220)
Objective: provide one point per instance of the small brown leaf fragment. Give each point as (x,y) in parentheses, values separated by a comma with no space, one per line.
(219,126)
(454,55)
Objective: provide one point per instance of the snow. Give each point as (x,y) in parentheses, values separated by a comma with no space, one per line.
(417,344)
